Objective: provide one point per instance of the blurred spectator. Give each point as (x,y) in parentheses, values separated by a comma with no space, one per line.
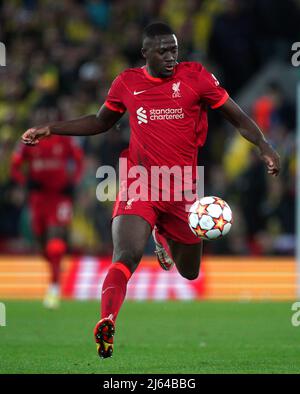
(272,109)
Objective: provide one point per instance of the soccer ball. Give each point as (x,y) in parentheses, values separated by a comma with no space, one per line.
(210,218)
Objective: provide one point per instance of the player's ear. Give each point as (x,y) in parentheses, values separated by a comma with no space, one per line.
(143,52)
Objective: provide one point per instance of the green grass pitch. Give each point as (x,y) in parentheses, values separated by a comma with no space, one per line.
(152,337)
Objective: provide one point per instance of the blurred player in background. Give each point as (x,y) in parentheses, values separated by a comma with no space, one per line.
(50,172)
(152,95)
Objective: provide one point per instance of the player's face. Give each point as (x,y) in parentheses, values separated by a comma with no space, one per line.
(161,55)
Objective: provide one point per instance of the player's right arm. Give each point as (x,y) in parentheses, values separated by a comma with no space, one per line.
(84,126)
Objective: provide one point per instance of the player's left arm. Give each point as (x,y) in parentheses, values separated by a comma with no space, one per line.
(251,132)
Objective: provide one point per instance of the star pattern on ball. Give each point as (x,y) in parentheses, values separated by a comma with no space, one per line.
(200,232)
(210,218)
(201,209)
(221,202)
(220,223)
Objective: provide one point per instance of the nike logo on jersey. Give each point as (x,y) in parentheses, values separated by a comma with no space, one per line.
(141,91)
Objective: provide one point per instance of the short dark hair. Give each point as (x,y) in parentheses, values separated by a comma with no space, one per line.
(157,29)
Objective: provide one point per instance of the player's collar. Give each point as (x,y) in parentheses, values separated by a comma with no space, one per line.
(155,79)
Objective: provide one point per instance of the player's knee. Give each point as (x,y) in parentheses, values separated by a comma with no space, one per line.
(190,275)
(56,246)
(128,257)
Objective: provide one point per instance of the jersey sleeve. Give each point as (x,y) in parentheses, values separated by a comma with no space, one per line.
(210,90)
(18,158)
(114,100)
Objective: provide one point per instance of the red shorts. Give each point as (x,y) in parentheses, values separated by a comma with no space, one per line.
(170,217)
(49,210)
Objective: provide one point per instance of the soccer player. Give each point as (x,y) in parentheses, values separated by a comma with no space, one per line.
(47,173)
(167,103)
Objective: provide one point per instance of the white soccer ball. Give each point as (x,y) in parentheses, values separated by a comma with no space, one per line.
(210,218)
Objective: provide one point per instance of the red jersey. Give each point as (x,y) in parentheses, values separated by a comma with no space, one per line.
(168,117)
(53,164)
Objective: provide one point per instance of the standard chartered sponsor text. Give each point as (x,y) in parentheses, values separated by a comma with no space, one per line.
(166,113)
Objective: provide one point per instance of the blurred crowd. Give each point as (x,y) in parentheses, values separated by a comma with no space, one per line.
(61,59)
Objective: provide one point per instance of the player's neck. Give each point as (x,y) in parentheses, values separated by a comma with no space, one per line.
(153,76)
(150,72)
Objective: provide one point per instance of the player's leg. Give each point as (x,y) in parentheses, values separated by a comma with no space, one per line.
(55,247)
(187,258)
(57,217)
(40,208)
(130,234)
(177,242)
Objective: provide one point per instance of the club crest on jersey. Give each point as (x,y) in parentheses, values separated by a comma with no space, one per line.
(176,90)
(129,204)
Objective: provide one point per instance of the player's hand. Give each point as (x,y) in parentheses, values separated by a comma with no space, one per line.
(35,134)
(271,159)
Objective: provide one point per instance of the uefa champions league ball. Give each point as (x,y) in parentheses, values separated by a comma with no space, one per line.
(210,218)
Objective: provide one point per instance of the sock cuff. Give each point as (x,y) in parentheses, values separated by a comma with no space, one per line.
(56,246)
(121,267)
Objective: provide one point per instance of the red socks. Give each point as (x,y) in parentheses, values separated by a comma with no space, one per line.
(55,249)
(114,289)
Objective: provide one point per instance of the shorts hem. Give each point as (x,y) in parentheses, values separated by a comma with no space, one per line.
(133,214)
